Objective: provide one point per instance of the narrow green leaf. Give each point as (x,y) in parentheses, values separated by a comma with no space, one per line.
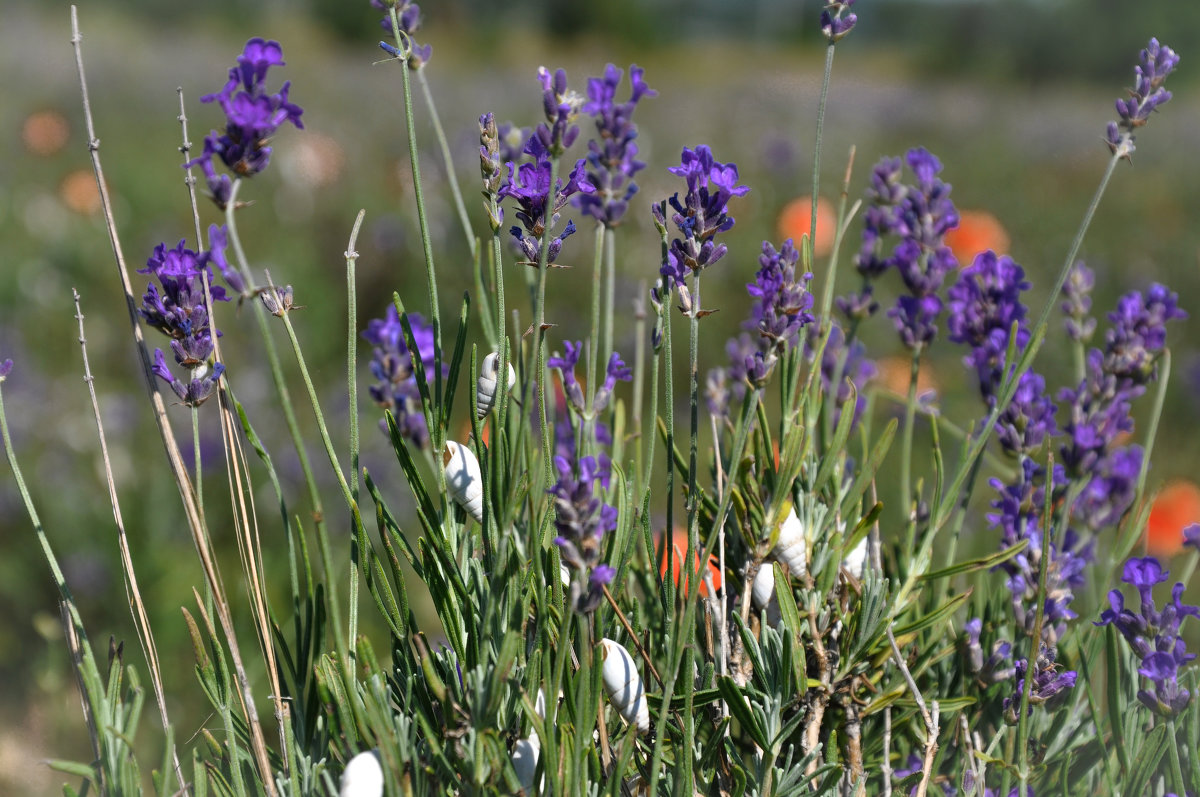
(982,563)
(739,708)
(460,345)
(939,615)
(1151,750)
(790,616)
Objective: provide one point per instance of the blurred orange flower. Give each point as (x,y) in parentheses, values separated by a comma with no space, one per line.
(78,191)
(895,372)
(1176,506)
(977,231)
(795,218)
(679,541)
(45,132)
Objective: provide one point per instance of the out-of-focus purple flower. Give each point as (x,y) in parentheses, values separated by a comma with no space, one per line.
(581,519)
(919,215)
(837,20)
(1049,688)
(1077,303)
(1110,490)
(1097,412)
(5,369)
(703,213)
(1153,635)
(612,158)
(1138,333)
(392,365)
(1155,63)
(512,141)
(252,116)
(201,382)
(998,666)
(841,366)
(1191,536)
(529,186)
(782,303)
(987,298)
(217,244)
(717,393)
(409,15)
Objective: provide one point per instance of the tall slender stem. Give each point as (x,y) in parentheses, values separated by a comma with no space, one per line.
(594,337)
(352,394)
(827,300)
(906,443)
(540,324)
(610,290)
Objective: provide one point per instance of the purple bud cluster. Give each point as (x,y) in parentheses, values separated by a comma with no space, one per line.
(703,213)
(1049,688)
(409,15)
(1077,303)
(612,159)
(1153,635)
(561,105)
(919,215)
(252,116)
(392,365)
(177,307)
(1155,63)
(837,19)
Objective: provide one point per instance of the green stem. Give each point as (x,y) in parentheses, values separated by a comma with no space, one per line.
(1160,396)
(693,502)
(594,337)
(289,412)
(1173,750)
(352,393)
(827,298)
(610,291)
(451,177)
(639,379)
(906,444)
(196,459)
(540,326)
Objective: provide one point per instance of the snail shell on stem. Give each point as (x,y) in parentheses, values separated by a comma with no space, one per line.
(763,588)
(485,386)
(363,776)
(792,547)
(463,478)
(624,687)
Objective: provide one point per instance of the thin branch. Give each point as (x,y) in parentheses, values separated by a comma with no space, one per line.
(931,719)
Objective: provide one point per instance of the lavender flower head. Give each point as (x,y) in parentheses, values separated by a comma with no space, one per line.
(1050,685)
(392,365)
(703,213)
(197,388)
(409,15)
(252,116)
(1155,63)
(781,307)
(919,215)
(612,159)
(1139,334)
(1153,635)
(837,19)
(581,518)
(5,369)
(561,105)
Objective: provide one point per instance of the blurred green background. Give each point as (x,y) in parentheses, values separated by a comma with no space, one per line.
(1013,97)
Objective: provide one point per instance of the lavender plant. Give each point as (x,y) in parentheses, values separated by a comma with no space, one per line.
(804,642)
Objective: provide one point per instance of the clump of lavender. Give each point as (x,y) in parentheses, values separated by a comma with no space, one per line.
(919,215)
(409,15)
(1155,63)
(612,158)
(252,116)
(703,213)
(177,308)
(392,365)
(837,19)
(595,429)
(1153,635)
(529,184)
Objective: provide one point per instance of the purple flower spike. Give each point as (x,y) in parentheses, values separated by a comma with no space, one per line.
(5,369)
(566,366)
(409,15)
(538,210)
(198,388)
(252,116)
(1155,63)
(780,311)
(177,306)
(1138,333)
(702,214)
(1153,635)
(617,371)
(581,518)
(612,159)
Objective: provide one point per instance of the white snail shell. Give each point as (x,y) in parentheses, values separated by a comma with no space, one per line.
(463,479)
(485,386)
(763,588)
(856,559)
(526,751)
(624,686)
(792,548)
(363,776)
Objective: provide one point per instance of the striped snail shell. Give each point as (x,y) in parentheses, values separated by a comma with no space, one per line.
(485,387)
(763,588)
(463,478)
(363,776)
(792,547)
(855,559)
(624,686)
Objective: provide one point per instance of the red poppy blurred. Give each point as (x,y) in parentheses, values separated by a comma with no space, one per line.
(977,231)
(795,218)
(1175,507)
(679,541)
(895,372)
